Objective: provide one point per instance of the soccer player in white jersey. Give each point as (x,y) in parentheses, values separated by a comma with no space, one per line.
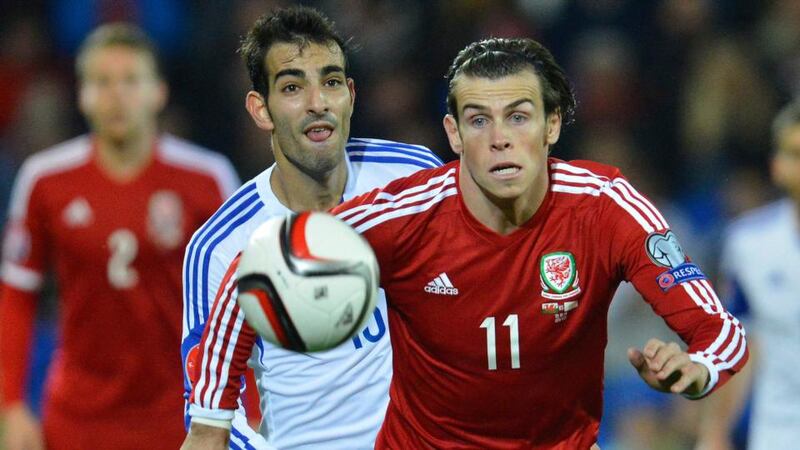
(761,265)
(335,399)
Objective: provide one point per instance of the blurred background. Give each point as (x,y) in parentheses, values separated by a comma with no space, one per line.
(678,93)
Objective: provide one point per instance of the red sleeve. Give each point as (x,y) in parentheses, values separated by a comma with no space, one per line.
(223,351)
(363,213)
(24,258)
(647,253)
(26,238)
(17,314)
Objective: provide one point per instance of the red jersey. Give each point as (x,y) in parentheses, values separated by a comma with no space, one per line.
(499,339)
(116,250)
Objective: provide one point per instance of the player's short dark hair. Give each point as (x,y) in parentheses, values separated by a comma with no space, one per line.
(297,25)
(499,57)
(117,34)
(787,117)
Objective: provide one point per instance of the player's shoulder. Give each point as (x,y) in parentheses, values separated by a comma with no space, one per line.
(425,180)
(754,224)
(584,168)
(602,193)
(231,224)
(192,158)
(54,166)
(581,181)
(59,158)
(391,155)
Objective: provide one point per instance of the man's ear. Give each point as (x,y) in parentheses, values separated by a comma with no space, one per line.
(553,128)
(256,105)
(451,128)
(351,86)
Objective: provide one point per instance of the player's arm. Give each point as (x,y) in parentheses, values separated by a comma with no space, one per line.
(646,252)
(721,411)
(206,437)
(24,255)
(214,364)
(17,313)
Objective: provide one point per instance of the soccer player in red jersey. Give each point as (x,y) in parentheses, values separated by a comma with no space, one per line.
(110,214)
(499,270)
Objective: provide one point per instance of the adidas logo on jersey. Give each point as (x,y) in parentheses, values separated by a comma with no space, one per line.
(441,285)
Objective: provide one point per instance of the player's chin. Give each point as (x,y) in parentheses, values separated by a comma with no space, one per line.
(117,131)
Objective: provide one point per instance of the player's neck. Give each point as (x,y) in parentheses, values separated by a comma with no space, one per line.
(124,159)
(300,191)
(501,215)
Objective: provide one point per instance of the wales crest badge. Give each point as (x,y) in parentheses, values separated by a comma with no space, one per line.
(559,276)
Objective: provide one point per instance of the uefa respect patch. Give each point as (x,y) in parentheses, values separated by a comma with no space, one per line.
(681,274)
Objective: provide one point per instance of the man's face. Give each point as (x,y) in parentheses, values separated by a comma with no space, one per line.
(502,134)
(120,93)
(786,162)
(310,104)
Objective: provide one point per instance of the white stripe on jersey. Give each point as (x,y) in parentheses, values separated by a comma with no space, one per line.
(607,190)
(61,158)
(198,159)
(21,277)
(393,209)
(631,200)
(415,209)
(201,246)
(731,335)
(230,347)
(383,148)
(206,387)
(446,177)
(704,296)
(376,207)
(644,200)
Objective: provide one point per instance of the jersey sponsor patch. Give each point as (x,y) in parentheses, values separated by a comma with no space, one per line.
(559,276)
(681,274)
(165,219)
(664,249)
(17,243)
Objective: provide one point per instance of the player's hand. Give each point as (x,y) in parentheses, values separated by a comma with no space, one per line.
(205,437)
(667,368)
(22,430)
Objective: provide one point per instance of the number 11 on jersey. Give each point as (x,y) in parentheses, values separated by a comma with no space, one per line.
(512,322)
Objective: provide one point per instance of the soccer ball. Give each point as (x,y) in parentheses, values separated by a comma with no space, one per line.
(307,282)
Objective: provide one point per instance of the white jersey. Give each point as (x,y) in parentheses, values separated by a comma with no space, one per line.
(761,262)
(333,399)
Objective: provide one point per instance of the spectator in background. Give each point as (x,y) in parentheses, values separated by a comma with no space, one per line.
(109,214)
(761,263)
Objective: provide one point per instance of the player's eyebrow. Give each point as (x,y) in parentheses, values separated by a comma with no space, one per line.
(332,68)
(511,105)
(289,73)
(514,104)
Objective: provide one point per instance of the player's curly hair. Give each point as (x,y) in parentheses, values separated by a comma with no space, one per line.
(298,25)
(498,57)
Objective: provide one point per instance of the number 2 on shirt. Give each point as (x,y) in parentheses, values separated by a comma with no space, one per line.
(124,247)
